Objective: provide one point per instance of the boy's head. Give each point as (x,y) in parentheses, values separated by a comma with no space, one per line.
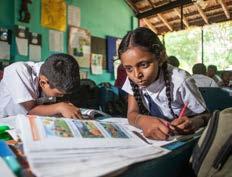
(172,60)
(59,75)
(212,70)
(226,76)
(199,68)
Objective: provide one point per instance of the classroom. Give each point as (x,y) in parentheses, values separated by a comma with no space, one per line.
(115,88)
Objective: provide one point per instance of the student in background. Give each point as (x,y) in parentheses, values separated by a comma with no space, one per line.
(1,71)
(225,82)
(24,82)
(211,72)
(121,76)
(172,60)
(199,75)
(158,91)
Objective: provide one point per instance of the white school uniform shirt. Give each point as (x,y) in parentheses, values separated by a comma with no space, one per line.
(204,81)
(19,84)
(183,90)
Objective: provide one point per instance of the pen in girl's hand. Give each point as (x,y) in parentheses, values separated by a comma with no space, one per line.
(183,110)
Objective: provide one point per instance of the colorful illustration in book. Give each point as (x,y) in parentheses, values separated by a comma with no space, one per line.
(114,131)
(88,129)
(56,127)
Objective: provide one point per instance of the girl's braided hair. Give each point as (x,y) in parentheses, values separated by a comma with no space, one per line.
(148,41)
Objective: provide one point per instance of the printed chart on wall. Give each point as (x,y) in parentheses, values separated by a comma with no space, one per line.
(79,45)
(53,14)
(96,63)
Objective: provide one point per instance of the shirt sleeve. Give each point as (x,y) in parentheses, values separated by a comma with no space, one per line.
(213,84)
(127,87)
(19,82)
(191,94)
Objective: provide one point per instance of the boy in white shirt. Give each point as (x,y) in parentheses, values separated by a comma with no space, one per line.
(199,75)
(24,82)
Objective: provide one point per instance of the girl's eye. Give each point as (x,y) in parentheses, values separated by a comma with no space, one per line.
(144,64)
(129,69)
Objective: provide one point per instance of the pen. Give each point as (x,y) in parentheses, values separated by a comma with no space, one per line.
(9,157)
(141,137)
(183,110)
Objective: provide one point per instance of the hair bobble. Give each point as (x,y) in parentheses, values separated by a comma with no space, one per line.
(156,48)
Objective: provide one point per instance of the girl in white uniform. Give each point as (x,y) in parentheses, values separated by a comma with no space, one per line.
(158,91)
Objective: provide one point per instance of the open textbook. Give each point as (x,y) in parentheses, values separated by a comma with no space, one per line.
(67,147)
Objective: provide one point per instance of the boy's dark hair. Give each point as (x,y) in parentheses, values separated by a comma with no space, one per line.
(213,67)
(147,40)
(172,60)
(62,72)
(199,68)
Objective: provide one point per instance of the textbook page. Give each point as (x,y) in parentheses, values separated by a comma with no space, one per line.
(66,147)
(44,133)
(125,123)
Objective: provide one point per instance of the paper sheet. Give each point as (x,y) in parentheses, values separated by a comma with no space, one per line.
(74,16)
(34,52)
(22,46)
(56,41)
(4,50)
(96,63)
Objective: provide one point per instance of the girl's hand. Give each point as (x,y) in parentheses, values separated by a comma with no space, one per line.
(183,125)
(154,128)
(69,110)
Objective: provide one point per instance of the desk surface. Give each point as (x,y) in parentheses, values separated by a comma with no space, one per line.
(172,164)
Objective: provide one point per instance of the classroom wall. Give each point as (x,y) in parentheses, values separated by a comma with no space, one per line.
(101,17)
(105,18)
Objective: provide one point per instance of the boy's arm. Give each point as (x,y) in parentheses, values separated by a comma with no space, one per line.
(63,108)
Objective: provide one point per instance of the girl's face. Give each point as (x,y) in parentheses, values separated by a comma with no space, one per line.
(141,66)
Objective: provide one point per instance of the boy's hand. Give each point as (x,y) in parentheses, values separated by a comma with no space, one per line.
(69,110)
(154,128)
(183,125)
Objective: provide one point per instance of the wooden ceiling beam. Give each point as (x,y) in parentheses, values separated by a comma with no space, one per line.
(184,19)
(151,3)
(164,21)
(163,8)
(148,23)
(132,6)
(201,12)
(224,7)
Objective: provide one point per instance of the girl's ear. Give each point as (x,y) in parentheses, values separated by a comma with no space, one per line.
(163,57)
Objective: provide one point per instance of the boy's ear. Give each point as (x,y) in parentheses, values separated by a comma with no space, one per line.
(43,81)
